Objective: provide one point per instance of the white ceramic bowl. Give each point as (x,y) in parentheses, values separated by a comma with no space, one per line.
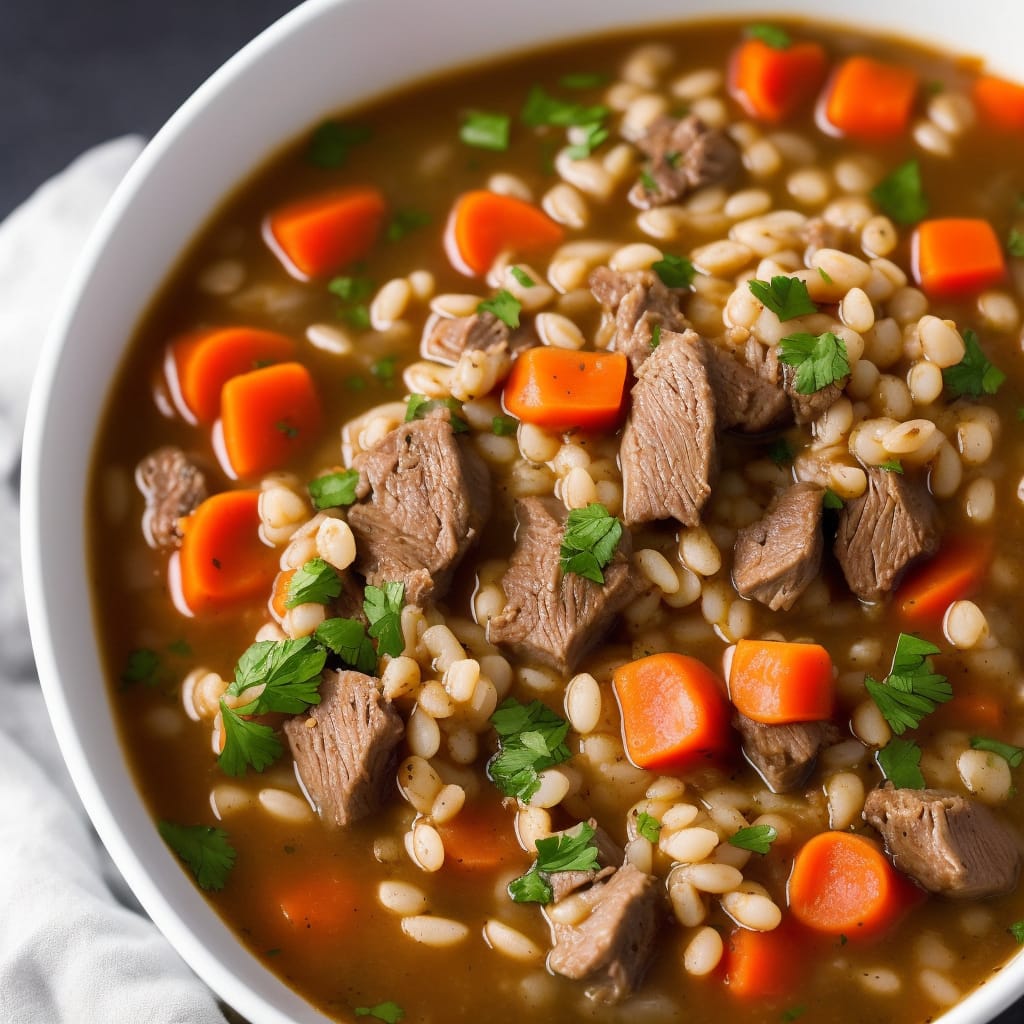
(321,57)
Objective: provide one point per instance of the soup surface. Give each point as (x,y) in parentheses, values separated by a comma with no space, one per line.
(558,539)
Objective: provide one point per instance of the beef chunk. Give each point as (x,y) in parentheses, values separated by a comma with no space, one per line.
(784,755)
(880,533)
(639,301)
(446,338)
(345,747)
(609,857)
(172,487)
(744,399)
(777,557)
(948,844)
(430,497)
(683,155)
(612,947)
(549,616)
(668,454)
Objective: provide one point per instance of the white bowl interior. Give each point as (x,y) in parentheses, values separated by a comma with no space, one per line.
(326,55)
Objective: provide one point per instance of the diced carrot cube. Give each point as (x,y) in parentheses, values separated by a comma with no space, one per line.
(956,257)
(869,99)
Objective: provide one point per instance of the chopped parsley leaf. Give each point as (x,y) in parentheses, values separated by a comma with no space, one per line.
(911,690)
(348,639)
(419,407)
(824,275)
(541,108)
(330,143)
(246,743)
(288,671)
(974,375)
(1015,242)
(357,316)
(901,195)
(351,289)
(383,608)
(831,499)
(389,1012)
(333,490)
(583,80)
(531,737)
(141,666)
(593,135)
(786,297)
(504,426)
(589,542)
(771,35)
(655,336)
(648,182)
(315,582)
(206,851)
(288,429)
(485,130)
(573,850)
(522,276)
(674,271)
(755,838)
(648,826)
(819,361)
(1012,755)
(892,466)
(384,370)
(504,305)
(900,762)
(1017,931)
(781,452)
(404,222)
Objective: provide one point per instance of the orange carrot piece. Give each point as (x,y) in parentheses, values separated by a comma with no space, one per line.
(324,906)
(202,362)
(481,837)
(956,257)
(673,710)
(560,389)
(268,416)
(842,884)
(954,573)
(762,965)
(222,559)
(770,84)
(279,594)
(1000,103)
(869,99)
(484,224)
(980,712)
(772,681)
(323,234)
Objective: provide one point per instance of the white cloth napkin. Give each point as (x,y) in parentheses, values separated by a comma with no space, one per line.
(73,945)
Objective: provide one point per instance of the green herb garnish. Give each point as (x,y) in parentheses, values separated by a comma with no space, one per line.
(900,762)
(315,582)
(573,850)
(541,108)
(583,80)
(648,827)
(674,271)
(1012,755)
(485,130)
(334,490)
(589,542)
(892,466)
(901,194)
(384,370)
(974,375)
(1015,243)
(404,222)
(819,361)
(781,452)
(330,143)
(206,851)
(593,136)
(911,690)
(522,277)
(771,35)
(655,336)
(504,305)
(1017,931)
(419,407)
(141,666)
(531,737)
(831,499)
(348,639)
(383,608)
(755,838)
(786,297)
(389,1012)
(504,426)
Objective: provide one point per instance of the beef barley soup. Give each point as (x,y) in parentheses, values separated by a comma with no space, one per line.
(558,539)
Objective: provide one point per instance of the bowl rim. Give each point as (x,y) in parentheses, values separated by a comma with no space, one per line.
(175,919)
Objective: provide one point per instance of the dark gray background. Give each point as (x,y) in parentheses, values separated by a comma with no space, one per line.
(75,73)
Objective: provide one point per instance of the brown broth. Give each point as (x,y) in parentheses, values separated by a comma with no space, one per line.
(371,961)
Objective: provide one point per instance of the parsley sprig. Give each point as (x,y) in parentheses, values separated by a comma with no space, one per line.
(531,737)
(206,850)
(974,375)
(901,196)
(674,271)
(419,407)
(591,536)
(1013,756)
(541,108)
(389,1012)
(485,130)
(755,838)
(504,305)
(771,35)
(911,690)
(315,582)
(819,361)
(332,490)
(786,297)
(573,850)
(900,762)
(383,609)
(348,639)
